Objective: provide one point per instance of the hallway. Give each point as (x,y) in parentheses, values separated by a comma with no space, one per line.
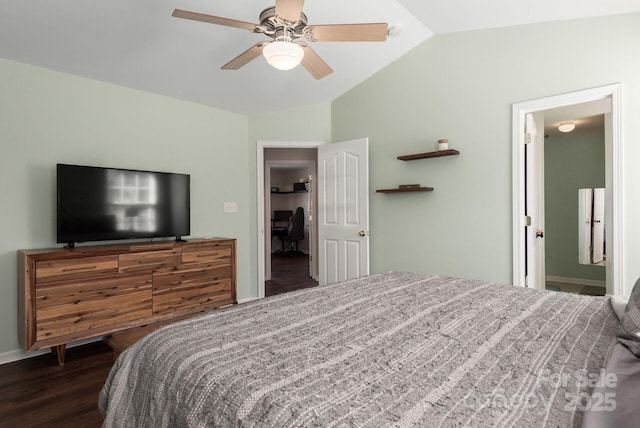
(289,272)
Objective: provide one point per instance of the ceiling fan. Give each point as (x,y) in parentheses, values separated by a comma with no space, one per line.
(287,25)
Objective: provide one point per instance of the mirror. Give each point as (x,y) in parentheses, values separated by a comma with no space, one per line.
(591,227)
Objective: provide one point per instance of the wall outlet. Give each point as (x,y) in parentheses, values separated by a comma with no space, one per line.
(230,207)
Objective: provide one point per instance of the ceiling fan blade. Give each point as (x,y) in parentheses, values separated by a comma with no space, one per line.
(179,13)
(289,10)
(245,57)
(375,32)
(314,64)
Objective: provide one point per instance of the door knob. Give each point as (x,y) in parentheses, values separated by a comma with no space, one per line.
(363,233)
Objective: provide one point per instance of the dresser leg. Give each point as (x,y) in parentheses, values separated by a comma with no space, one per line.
(59,351)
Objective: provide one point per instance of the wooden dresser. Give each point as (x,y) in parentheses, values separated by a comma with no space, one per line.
(69,295)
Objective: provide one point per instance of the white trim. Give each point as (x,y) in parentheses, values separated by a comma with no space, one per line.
(618,190)
(518,220)
(247,300)
(519,111)
(19,354)
(577,281)
(260,191)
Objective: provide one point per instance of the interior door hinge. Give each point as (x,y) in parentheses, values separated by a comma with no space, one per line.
(527,220)
(527,139)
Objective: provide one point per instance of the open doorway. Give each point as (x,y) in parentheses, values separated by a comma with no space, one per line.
(341,213)
(574,170)
(286,157)
(289,212)
(529,175)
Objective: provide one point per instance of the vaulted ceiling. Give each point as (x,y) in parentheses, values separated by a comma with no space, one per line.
(138,44)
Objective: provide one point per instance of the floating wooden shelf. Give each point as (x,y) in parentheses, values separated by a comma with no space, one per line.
(403,188)
(436,154)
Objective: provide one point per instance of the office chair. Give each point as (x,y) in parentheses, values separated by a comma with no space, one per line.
(295,232)
(280,222)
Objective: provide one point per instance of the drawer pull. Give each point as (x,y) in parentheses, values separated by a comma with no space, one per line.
(189,274)
(79,269)
(97,315)
(150,261)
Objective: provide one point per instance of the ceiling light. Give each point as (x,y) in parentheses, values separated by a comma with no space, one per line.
(566,127)
(283,55)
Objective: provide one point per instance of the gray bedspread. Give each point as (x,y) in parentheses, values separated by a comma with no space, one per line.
(394,349)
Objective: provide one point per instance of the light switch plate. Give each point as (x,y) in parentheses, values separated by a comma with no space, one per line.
(230,207)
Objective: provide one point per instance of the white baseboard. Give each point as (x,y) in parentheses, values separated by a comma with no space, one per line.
(578,281)
(247,299)
(19,354)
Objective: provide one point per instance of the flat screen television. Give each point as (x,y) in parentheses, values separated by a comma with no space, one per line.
(101,204)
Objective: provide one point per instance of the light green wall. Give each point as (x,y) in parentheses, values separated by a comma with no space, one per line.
(311,123)
(571,161)
(48,117)
(461,86)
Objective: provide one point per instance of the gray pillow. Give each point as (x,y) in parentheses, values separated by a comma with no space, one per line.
(619,305)
(614,400)
(629,334)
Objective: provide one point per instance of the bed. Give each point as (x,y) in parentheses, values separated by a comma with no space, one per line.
(392,349)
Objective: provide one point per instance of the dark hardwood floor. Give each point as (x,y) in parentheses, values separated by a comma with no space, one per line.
(36,392)
(289,272)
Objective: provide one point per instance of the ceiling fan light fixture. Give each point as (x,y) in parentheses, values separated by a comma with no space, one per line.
(283,55)
(567,127)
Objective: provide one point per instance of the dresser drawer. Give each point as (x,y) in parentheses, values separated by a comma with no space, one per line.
(81,305)
(191,289)
(70,269)
(148,261)
(207,256)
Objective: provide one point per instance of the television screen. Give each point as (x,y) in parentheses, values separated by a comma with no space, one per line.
(96,204)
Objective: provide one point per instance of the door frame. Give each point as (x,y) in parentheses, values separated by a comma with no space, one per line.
(534,202)
(615,176)
(261,145)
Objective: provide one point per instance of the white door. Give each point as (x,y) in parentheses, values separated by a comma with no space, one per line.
(598,225)
(534,176)
(343,210)
(585,212)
